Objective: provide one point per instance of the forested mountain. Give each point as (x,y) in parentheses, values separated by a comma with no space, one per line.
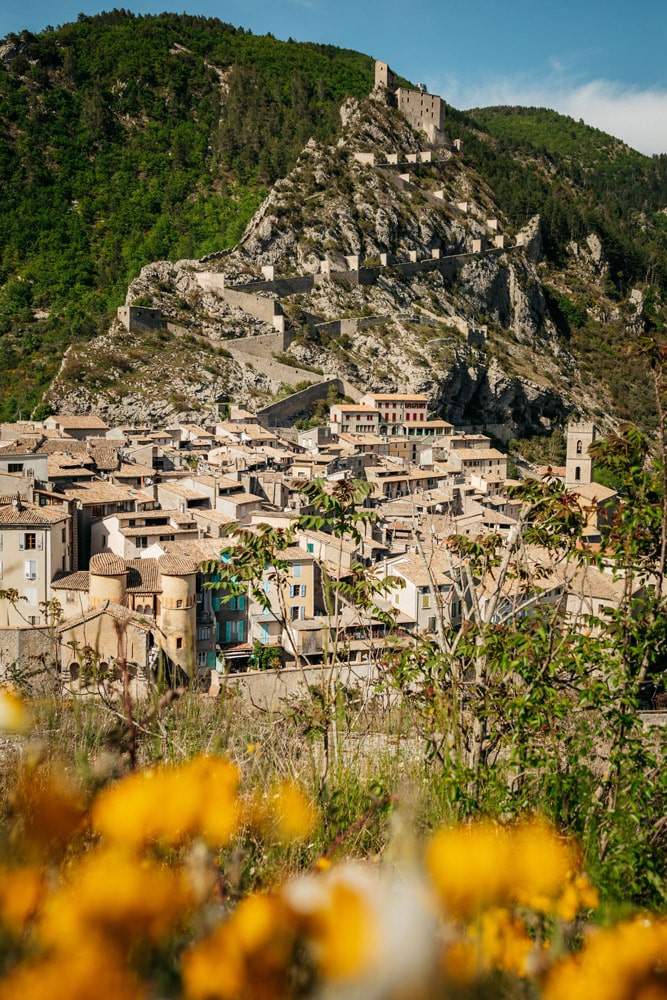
(126,139)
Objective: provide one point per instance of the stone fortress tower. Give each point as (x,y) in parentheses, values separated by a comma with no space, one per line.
(177,618)
(108,579)
(579,464)
(424,111)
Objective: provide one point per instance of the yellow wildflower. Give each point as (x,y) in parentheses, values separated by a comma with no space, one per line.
(171,804)
(470,866)
(14,717)
(48,808)
(80,973)
(338,919)
(504,942)
(250,952)
(294,813)
(624,963)
(21,890)
(118,897)
(541,862)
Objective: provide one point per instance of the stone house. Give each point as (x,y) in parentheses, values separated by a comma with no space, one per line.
(35,546)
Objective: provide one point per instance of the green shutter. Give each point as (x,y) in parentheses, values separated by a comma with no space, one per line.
(228,631)
(240,631)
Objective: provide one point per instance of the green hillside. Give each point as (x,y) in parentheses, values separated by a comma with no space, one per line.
(126,139)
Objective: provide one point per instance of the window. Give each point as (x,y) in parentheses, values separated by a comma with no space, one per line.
(234,631)
(63,536)
(577,474)
(578,447)
(296,569)
(29,540)
(311,547)
(426,601)
(297,613)
(179,604)
(264,634)
(203,634)
(297,590)
(98,510)
(179,642)
(237,603)
(33,619)
(30,569)
(0,570)
(104,541)
(15,467)
(431,624)
(142,542)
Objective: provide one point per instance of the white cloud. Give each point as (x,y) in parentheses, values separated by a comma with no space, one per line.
(638,117)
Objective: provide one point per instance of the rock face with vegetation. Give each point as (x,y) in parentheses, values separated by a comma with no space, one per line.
(172,170)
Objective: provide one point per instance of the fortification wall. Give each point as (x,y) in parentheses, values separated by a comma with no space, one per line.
(259,306)
(268,688)
(283,287)
(32,650)
(266,345)
(336,327)
(269,366)
(140,318)
(278,413)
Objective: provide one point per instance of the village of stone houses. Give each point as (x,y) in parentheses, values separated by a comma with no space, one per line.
(108,533)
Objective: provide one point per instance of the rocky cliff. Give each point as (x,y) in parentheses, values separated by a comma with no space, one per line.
(393,294)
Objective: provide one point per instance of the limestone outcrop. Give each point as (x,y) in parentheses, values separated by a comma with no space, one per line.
(394,268)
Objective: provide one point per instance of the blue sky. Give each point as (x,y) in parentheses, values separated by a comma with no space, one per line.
(600,60)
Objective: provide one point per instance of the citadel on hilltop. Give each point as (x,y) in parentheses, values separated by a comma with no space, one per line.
(424,111)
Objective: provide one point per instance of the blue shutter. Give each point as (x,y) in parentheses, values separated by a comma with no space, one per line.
(215,603)
(240,630)
(228,631)
(241,603)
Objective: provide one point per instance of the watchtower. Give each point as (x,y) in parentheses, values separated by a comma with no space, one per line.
(579,464)
(383,75)
(177,616)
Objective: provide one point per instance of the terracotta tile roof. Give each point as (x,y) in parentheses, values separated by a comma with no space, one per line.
(102,492)
(173,565)
(196,548)
(157,529)
(25,513)
(117,611)
(24,446)
(143,576)
(73,581)
(75,420)
(398,396)
(107,564)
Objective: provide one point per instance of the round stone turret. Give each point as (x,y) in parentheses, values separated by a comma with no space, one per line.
(178,615)
(108,578)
